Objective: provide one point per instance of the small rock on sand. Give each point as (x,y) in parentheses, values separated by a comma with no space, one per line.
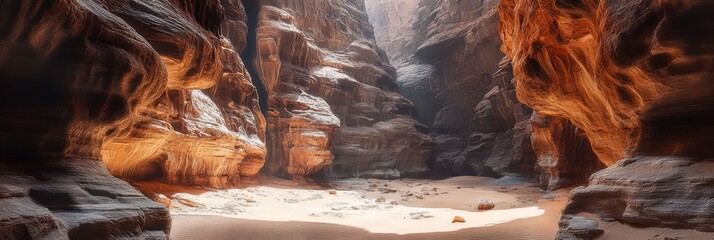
(332,192)
(458,219)
(250,200)
(381,199)
(486,205)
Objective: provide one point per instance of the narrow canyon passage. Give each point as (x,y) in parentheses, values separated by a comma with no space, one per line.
(249,54)
(356,119)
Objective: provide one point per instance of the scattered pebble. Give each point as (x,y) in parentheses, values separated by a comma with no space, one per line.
(458,219)
(332,192)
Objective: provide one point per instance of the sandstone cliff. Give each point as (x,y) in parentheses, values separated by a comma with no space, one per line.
(459,39)
(393,22)
(448,63)
(633,78)
(332,95)
(501,141)
(151,88)
(206,128)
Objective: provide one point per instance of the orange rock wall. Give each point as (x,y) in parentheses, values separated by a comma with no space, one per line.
(631,79)
(205,129)
(136,89)
(568,64)
(332,94)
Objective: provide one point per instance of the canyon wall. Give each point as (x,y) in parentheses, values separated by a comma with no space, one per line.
(332,95)
(153,89)
(206,129)
(459,40)
(501,141)
(393,22)
(449,64)
(633,79)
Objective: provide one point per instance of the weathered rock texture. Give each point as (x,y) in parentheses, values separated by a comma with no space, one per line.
(633,78)
(447,54)
(501,142)
(74,199)
(393,22)
(460,40)
(152,88)
(332,94)
(650,191)
(206,128)
(564,155)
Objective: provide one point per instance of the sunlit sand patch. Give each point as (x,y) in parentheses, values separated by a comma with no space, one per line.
(349,208)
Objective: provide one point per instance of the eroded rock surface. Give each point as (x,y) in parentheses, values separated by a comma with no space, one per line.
(332,94)
(669,192)
(501,142)
(460,40)
(75,199)
(393,22)
(152,88)
(204,130)
(632,78)
(448,63)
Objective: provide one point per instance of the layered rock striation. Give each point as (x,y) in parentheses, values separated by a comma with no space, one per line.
(332,95)
(501,141)
(449,64)
(151,89)
(459,39)
(206,129)
(633,79)
(393,22)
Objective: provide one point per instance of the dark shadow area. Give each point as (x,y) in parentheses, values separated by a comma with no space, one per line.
(252,8)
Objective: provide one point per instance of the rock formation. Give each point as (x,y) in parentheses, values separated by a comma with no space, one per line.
(447,57)
(501,141)
(151,88)
(205,130)
(393,22)
(632,78)
(332,94)
(459,39)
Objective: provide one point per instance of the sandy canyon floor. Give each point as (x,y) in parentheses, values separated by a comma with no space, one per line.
(379,209)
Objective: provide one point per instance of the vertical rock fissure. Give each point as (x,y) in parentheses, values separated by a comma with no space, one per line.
(252,8)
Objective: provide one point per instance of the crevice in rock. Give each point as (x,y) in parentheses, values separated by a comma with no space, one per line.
(252,8)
